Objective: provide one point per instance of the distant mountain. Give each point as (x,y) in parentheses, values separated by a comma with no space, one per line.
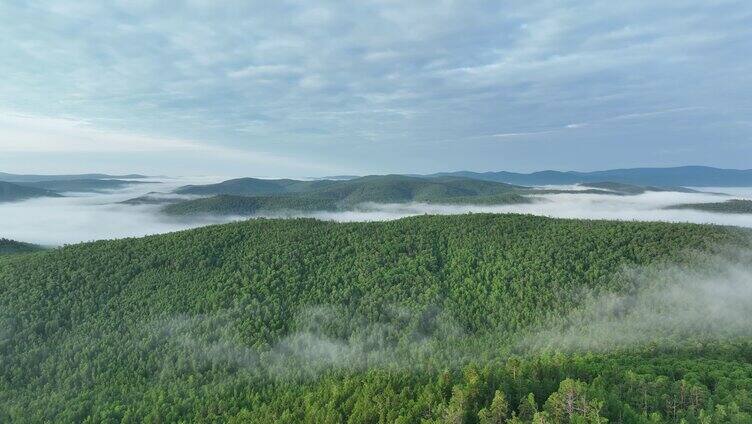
(10,192)
(18,178)
(698,176)
(154,198)
(729,206)
(252,187)
(82,185)
(249,196)
(631,189)
(376,188)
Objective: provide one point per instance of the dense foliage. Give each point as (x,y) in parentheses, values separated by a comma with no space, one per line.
(250,196)
(244,205)
(412,320)
(729,206)
(227,205)
(377,188)
(11,246)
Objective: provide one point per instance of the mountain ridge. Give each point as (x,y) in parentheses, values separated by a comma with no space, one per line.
(691,175)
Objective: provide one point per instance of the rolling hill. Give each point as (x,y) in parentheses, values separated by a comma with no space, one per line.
(248,196)
(81,185)
(10,192)
(631,189)
(414,320)
(26,178)
(375,188)
(729,206)
(227,205)
(692,176)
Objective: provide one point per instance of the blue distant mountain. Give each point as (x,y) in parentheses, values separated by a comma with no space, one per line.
(697,176)
(25,178)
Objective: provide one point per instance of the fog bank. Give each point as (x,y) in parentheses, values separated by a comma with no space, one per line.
(93,216)
(82,217)
(648,206)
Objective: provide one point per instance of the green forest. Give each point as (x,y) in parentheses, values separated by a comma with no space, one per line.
(729,206)
(430,319)
(252,196)
(11,247)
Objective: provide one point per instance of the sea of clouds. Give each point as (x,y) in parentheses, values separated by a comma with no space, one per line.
(83,217)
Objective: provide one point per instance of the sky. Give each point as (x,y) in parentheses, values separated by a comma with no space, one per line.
(292,88)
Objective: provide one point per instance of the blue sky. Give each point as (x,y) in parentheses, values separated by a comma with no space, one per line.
(320,88)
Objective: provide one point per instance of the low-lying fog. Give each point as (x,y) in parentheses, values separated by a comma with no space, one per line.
(86,217)
(92,216)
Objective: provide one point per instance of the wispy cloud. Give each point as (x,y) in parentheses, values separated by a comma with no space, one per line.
(200,71)
(21,133)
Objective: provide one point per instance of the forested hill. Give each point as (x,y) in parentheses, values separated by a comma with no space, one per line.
(247,196)
(12,247)
(28,178)
(81,185)
(631,189)
(692,176)
(309,321)
(376,188)
(10,192)
(729,206)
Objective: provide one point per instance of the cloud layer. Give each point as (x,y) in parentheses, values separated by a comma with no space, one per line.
(86,217)
(390,86)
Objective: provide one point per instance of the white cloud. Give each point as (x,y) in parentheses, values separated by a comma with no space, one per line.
(28,134)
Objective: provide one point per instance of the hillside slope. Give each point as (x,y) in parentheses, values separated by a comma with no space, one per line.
(81,185)
(310,321)
(692,176)
(8,247)
(392,187)
(10,192)
(35,178)
(344,194)
(729,206)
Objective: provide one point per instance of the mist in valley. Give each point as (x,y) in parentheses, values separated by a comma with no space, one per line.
(81,217)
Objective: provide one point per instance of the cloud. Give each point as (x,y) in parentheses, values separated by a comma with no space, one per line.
(198,71)
(24,133)
(37,134)
(98,216)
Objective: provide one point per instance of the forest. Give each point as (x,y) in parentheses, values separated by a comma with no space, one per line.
(11,246)
(472,318)
(728,206)
(252,196)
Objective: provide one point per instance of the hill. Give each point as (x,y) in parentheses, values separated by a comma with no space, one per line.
(375,188)
(253,196)
(631,189)
(10,192)
(244,206)
(18,178)
(253,187)
(8,247)
(402,321)
(81,185)
(693,176)
(729,206)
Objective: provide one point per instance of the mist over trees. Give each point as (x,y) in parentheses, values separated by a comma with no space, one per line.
(419,319)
